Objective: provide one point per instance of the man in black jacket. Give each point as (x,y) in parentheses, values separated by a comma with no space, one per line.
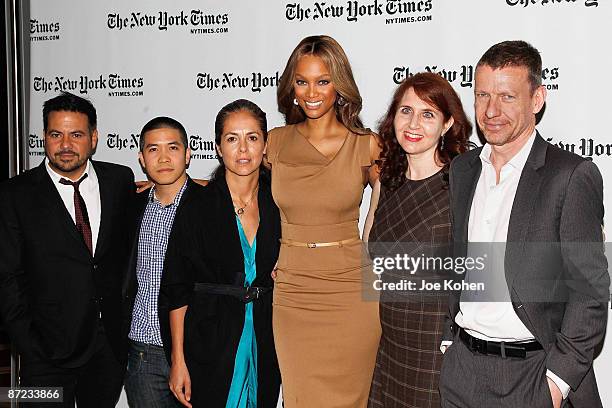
(164,155)
(62,260)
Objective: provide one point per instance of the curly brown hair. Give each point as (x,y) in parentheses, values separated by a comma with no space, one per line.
(337,62)
(436,91)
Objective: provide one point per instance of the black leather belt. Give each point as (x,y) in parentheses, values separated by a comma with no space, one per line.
(497,348)
(245,294)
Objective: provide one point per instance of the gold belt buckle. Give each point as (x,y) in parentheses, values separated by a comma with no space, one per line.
(311,244)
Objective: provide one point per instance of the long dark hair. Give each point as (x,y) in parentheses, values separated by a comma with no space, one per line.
(238,105)
(435,90)
(337,62)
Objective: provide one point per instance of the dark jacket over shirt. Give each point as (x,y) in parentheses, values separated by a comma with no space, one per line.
(52,289)
(207,249)
(560,294)
(130,288)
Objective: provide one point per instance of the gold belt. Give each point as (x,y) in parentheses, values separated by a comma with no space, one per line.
(291,242)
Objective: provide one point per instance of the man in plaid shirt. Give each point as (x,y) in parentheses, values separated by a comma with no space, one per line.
(164,156)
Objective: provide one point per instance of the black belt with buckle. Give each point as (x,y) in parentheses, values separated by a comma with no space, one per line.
(498,348)
(245,294)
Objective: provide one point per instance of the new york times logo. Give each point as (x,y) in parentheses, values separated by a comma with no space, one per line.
(198,21)
(526,3)
(200,148)
(353,10)
(585,147)
(115,141)
(229,80)
(549,78)
(464,75)
(116,84)
(36,145)
(44,31)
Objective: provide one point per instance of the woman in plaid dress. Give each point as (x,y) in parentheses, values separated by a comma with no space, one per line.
(424,128)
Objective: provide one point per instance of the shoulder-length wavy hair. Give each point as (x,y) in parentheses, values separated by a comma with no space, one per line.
(436,91)
(337,62)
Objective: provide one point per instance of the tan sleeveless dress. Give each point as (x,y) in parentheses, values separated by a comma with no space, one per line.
(326,333)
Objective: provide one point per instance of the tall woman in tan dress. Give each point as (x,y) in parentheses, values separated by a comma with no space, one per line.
(326,333)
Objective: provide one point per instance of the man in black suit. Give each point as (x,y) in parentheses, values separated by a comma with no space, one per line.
(164,156)
(532,343)
(63,255)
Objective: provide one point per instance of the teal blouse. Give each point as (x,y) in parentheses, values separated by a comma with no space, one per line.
(243,390)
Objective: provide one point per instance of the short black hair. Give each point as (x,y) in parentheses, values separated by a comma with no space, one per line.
(163,122)
(515,54)
(71,103)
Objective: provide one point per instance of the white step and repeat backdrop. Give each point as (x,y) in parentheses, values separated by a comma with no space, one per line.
(186,59)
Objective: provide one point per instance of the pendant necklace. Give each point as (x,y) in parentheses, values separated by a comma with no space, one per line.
(240,210)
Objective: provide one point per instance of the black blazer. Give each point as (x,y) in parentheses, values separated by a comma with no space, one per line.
(52,289)
(207,249)
(559,199)
(130,287)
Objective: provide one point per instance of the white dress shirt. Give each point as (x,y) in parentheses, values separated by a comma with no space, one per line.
(90,191)
(488,222)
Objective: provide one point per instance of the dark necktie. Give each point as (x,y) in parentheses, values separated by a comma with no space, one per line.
(80,212)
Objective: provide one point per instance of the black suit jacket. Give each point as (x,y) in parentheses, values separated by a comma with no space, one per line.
(52,290)
(207,249)
(559,200)
(130,288)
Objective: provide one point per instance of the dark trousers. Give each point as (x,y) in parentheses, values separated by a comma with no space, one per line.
(146,380)
(469,379)
(96,384)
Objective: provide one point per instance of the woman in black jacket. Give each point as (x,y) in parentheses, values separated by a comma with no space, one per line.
(216,281)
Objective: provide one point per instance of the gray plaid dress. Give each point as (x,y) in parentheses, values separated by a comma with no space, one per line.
(413,217)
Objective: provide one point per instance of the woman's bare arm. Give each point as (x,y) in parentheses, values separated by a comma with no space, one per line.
(375,150)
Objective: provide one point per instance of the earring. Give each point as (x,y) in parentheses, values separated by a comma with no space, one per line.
(295,102)
(442,142)
(341,101)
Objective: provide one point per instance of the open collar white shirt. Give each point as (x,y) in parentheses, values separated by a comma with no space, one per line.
(488,222)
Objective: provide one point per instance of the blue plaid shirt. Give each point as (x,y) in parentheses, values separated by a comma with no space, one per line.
(152,243)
